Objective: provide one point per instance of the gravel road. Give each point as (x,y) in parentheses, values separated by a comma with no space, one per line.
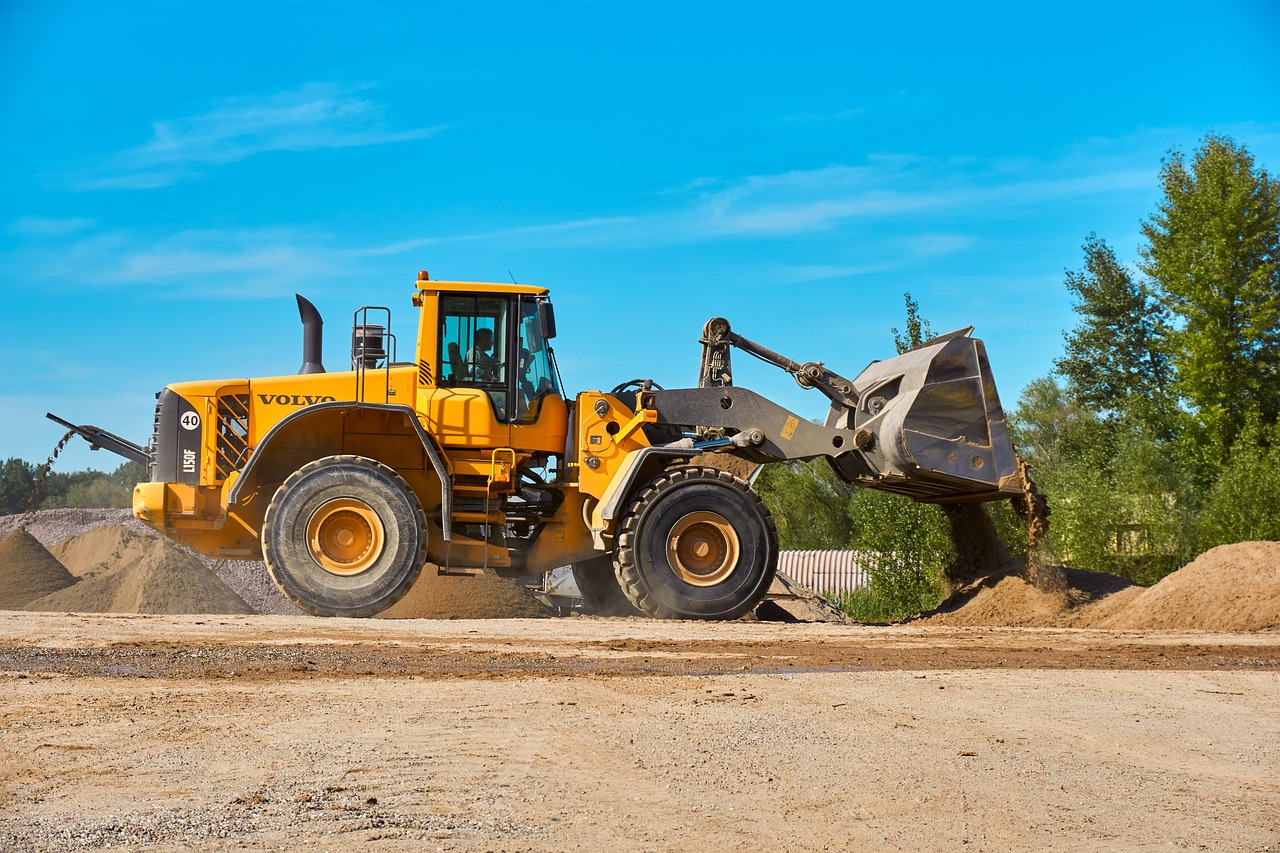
(270,732)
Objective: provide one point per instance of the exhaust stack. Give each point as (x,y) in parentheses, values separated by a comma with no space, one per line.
(312,335)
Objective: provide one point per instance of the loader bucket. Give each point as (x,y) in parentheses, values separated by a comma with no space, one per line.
(936,430)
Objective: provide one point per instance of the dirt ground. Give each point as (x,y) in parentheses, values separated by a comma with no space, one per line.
(269,732)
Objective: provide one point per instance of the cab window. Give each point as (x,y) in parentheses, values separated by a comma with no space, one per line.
(474,345)
(536,377)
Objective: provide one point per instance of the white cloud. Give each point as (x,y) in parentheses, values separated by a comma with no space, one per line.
(189,254)
(942,196)
(821,199)
(946,201)
(247,263)
(572,232)
(318,115)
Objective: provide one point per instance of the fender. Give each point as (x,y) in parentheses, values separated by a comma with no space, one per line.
(428,444)
(611,503)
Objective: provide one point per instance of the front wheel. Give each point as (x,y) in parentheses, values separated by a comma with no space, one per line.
(696,543)
(344,536)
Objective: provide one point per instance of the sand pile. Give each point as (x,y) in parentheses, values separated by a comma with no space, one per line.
(483,596)
(248,578)
(1007,598)
(94,544)
(1230,588)
(101,550)
(126,572)
(28,571)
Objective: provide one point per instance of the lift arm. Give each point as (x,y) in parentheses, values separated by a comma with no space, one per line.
(100,438)
(926,423)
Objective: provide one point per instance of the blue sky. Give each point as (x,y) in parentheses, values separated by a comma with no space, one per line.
(171,173)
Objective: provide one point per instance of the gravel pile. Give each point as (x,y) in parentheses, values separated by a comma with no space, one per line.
(51,526)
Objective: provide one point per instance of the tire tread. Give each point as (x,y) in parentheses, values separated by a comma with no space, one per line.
(291,482)
(630,577)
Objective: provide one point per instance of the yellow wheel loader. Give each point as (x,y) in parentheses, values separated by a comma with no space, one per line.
(472,457)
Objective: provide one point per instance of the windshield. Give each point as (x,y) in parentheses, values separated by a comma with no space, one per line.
(536,375)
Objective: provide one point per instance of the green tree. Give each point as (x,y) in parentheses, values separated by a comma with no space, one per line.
(1213,250)
(904,547)
(59,489)
(17,479)
(1164,437)
(99,492)
(130,474)
(1121,502)
(917,329)
(809,505)
(91,489)
(1244,503)
(1113,359)
(1051,427)
(59,485)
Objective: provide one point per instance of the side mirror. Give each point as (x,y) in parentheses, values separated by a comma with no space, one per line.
(546,320)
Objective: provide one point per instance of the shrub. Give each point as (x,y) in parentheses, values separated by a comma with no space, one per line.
(1244,504)
(906,545)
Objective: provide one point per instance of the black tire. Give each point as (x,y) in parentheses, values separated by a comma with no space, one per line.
(344,536)
(601,594)
(696,543)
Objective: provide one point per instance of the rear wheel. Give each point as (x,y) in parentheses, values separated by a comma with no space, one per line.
(601,594)
(344,536)
(696,543)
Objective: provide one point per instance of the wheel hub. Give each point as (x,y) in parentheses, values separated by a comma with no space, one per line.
(702,548)
(345,536)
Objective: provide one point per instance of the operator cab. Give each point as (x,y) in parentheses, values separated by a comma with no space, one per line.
(497,342)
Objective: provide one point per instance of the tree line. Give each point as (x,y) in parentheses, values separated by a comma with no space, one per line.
(1157,430)
(21,485)
(1154,437)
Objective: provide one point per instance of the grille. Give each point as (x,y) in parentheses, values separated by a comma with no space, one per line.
(424,373)
(233,433)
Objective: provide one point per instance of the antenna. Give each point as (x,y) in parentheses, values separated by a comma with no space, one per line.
(513,278)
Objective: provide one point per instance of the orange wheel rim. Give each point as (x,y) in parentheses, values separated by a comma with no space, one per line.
(345,536)
(702,548)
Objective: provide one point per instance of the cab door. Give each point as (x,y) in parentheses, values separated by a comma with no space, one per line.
(498,383)
(540,415)
(469,407)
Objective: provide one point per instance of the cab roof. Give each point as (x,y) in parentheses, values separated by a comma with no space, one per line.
(481,287)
